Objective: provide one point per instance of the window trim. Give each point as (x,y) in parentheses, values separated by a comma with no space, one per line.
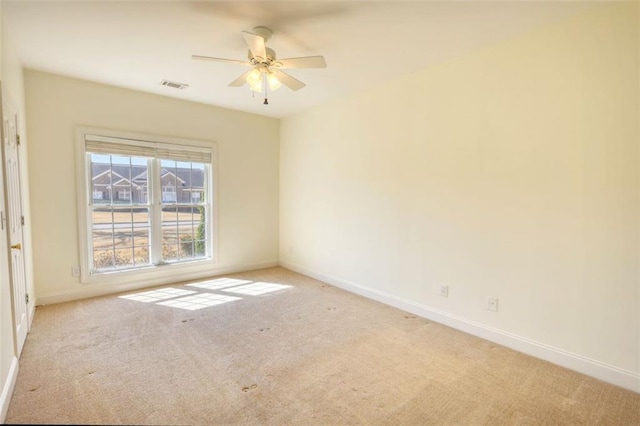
(151,272)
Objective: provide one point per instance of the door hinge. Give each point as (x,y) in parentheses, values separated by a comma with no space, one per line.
(26,298)
(18,139)
(22,220)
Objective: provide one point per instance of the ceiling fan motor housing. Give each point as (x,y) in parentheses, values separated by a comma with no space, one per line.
(271,57)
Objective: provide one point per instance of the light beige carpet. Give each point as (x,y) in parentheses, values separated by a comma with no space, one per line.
(304,354)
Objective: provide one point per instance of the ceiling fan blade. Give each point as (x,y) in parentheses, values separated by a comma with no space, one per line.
(256,44)
(304,62)
(289,81)
(240,80)
(228,61)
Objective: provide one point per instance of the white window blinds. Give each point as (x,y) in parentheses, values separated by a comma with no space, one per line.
(137,148)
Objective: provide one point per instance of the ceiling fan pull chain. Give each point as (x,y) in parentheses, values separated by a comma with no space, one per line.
(266,101)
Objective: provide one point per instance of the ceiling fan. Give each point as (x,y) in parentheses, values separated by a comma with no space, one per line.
(266,68)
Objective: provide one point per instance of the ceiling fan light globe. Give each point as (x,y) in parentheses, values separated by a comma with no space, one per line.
(254,77)
(274,83)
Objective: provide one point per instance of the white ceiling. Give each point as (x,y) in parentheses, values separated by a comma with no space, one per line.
(137,44)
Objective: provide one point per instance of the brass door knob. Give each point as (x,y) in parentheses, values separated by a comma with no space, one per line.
(17,246)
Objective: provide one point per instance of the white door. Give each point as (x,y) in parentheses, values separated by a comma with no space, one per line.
(13,222)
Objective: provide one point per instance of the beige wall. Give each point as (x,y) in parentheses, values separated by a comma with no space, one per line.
(509,172)
(247,186)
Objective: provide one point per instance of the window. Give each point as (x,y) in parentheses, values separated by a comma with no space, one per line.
(152,219)
(143,195)
(169,194)
(124,195)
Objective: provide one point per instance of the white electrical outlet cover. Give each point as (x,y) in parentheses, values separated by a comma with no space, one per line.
(492,304)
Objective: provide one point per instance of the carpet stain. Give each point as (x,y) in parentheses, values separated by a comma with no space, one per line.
(187,320)
(409,316)
(248,388)
(33,389)
(264,329)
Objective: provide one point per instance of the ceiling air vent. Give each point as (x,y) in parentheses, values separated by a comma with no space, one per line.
(173,84)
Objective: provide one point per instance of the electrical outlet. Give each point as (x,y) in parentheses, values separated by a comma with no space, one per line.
(492,304)
(444,290)
(75,271)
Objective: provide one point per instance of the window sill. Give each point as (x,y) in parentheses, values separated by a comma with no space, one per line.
(150,273)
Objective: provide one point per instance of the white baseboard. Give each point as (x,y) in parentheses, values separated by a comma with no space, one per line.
(92,290)
(600,370)
(7,389)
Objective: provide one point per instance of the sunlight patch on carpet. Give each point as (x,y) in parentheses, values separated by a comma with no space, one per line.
(199,301)
(157,295)
(193,300)
(257,288)
(219,283)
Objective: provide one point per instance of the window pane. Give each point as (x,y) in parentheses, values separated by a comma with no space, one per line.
(185,232)
(168,164)
(122,219)
(118,179)
(141,236)
(102,216)
(182,182)
(100,178)
(191,232)
(168,181)
(198,174)
(141,255)
(102,239)
(124,257)
(169,225)
(169,252)
(118,235)
(200,248)
(103,259)
(200,226)
(186,246)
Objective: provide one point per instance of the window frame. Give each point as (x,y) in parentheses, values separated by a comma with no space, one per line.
(150,273)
